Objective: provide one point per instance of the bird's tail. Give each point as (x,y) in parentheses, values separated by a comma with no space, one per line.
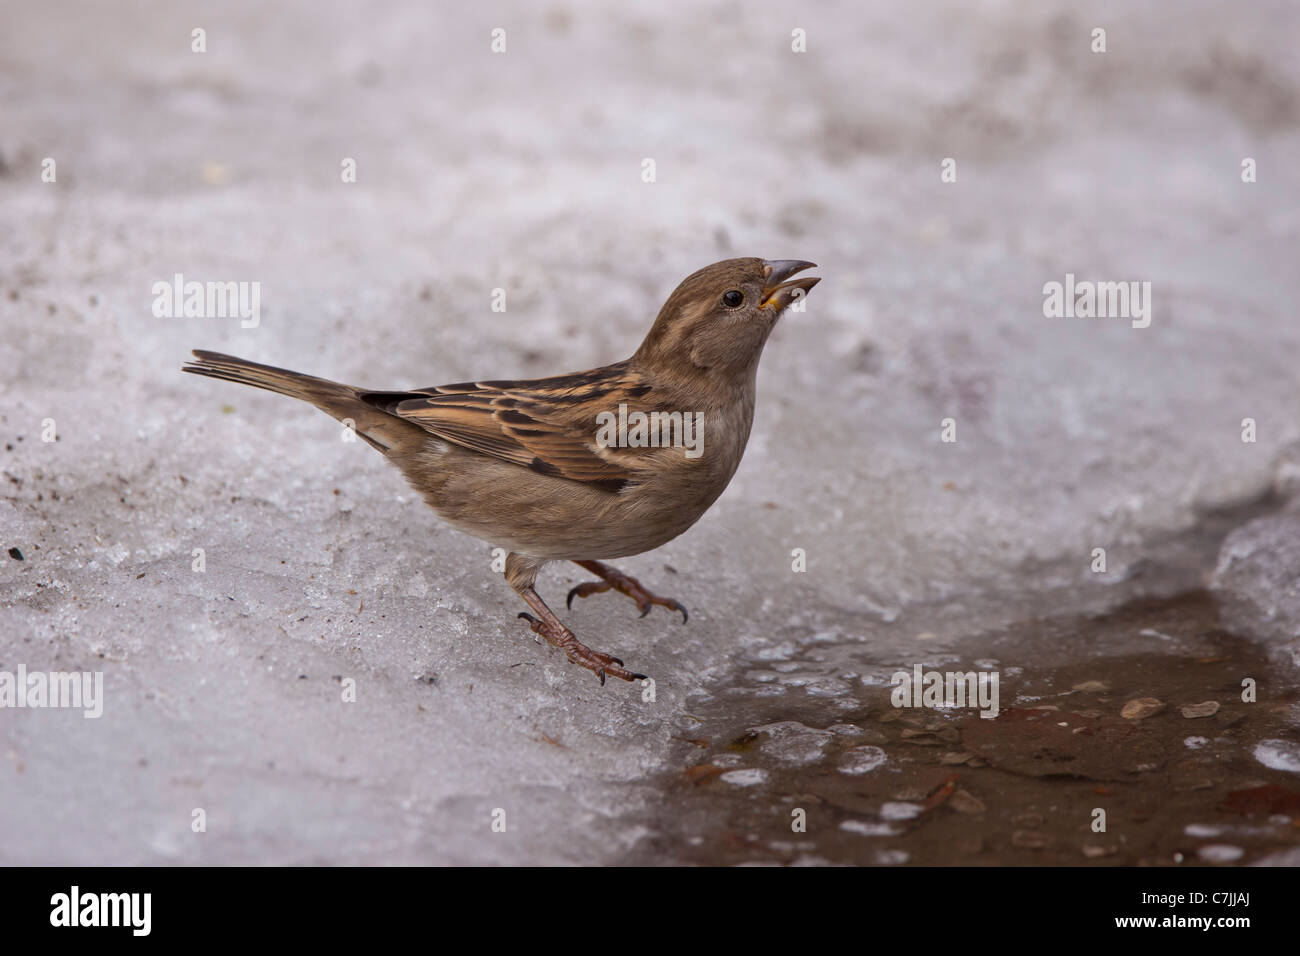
(347,404)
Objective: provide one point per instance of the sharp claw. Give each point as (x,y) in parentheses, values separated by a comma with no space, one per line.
(685,617)
(577,652)
(645,610)
(568,602)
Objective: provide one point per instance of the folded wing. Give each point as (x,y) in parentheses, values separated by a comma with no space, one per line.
(547,425)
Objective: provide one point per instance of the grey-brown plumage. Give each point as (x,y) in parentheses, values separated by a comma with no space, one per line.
(519,463)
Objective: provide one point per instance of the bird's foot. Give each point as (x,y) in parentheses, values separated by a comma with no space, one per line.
(578,652)
(613,579)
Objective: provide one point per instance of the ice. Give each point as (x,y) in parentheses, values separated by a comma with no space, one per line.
(1287,857)
(900,811)
(744,778)
(1220,853)
(870,828)
(791,743)
(862,760)
(1257,579)
(1279,755)
(226,687)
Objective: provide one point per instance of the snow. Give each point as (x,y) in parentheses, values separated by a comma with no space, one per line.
(225,688)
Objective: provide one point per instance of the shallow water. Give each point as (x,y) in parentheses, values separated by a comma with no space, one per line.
(817,732)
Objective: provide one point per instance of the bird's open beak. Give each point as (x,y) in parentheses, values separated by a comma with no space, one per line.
(777,292)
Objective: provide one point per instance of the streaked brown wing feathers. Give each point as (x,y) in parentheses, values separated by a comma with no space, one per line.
(537,425)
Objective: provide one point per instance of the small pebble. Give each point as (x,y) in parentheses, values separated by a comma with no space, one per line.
(964,802)
(1207,709)
(1091,687)
(1141,707)
(922,738)
(15,554)
(1029,839)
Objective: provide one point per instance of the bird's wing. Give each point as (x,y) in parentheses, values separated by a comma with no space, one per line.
(547,425)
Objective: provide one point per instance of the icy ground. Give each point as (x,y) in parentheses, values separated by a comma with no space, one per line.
(224,689)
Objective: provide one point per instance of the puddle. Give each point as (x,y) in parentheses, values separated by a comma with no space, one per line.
(815,737)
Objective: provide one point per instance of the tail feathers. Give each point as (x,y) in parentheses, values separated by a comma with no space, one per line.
(232,369)
(380,429)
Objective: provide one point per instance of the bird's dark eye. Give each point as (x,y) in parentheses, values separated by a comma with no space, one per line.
(732,298)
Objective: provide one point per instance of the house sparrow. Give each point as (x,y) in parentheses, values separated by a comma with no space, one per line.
(540,468)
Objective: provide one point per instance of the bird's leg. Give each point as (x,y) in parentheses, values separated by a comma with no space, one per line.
(549,627)
(624,584)
(521,573)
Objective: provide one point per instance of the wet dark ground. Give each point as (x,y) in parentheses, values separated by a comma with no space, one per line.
(816,731)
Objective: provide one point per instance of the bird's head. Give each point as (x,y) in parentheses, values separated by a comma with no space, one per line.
(719,318)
